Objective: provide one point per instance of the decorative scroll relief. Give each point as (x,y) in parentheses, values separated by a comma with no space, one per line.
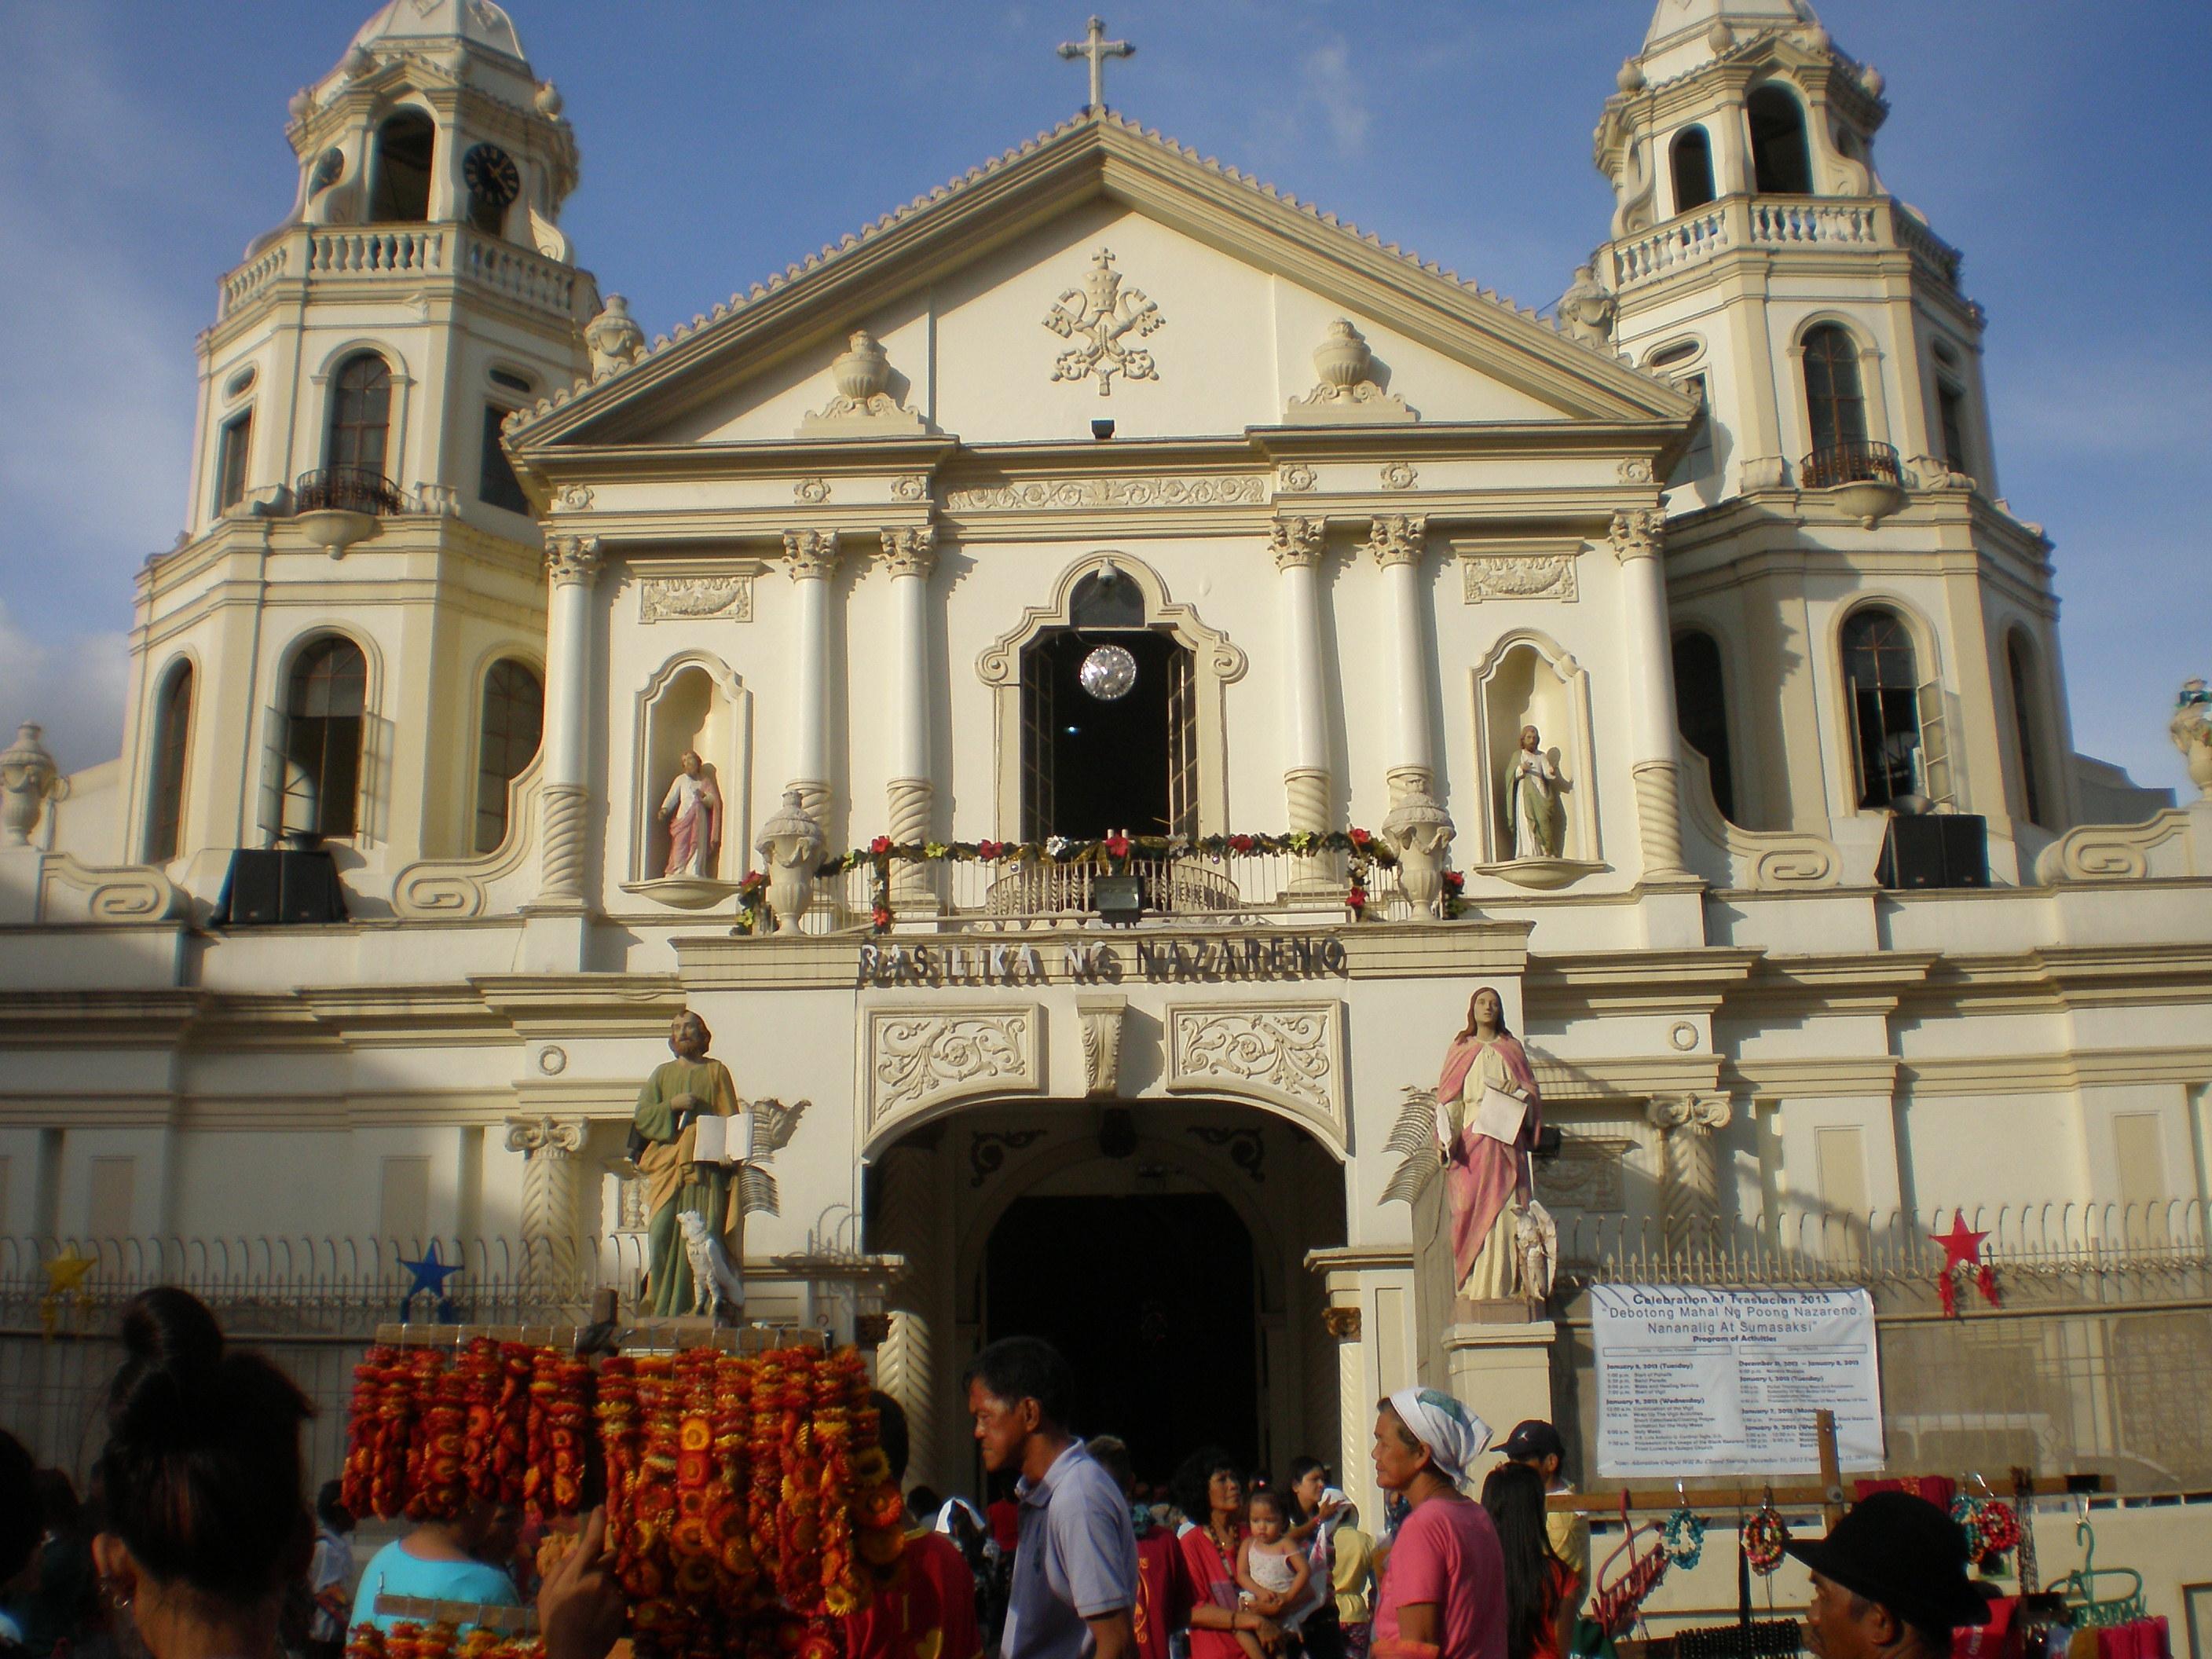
(1546,572)
(1109,492)
(1099,315)
(1288,1055)
(118,892)
(1587,1173)
(2160,845)
(695,598)
(919,1058)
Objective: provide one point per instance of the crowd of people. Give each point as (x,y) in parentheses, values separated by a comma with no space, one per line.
(197,1542)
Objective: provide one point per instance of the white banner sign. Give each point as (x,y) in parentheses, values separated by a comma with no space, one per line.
(1692,1381)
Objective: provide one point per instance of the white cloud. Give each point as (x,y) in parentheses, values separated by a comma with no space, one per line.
(70,684)
(1335,90)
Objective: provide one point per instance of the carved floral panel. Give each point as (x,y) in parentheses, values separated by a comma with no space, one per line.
(695,598)
(1519,576)
(1586,1174)
(919,1058)
(1289,1055)
(1109,492)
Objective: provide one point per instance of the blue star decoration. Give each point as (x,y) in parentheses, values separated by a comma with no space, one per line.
(430,1277)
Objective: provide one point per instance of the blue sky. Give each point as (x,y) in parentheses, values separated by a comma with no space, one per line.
(2058,145)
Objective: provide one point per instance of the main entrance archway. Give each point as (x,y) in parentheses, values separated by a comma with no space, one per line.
(1151,1296)
(1160,1244)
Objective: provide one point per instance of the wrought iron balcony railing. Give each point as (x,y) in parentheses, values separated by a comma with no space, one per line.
(1861,461)
(347,490)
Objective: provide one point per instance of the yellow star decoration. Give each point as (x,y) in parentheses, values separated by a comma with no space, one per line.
(65,1274)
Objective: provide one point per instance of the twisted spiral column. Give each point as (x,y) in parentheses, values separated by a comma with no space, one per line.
(1659,816)
(572,567)
(1690,1183)
(561,820)
(1636,538)
(906,1364)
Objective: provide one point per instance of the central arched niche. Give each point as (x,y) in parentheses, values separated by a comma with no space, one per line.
(1527,680)
(695,701)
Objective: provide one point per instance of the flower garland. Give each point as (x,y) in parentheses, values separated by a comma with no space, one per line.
(1113,853)
(1992,1529)
(1683,1538)
(1766,1537)
(410,1640)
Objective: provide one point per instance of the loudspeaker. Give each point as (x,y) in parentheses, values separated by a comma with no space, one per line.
(272,885)
(255,887)
(1947,849)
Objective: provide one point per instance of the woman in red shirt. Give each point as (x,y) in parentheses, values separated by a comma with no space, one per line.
(1540,1588)
(1209,1488)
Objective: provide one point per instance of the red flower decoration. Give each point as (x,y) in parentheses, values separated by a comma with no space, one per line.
(1357,898)
(881,917)
(1360,838)
(1454,881)
(879,846)
(1240,843)
(989,850)
(1117,846)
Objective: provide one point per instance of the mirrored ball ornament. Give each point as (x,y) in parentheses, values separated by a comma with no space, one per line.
(1108,673)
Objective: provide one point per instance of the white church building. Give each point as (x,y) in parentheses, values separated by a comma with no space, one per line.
(1108,489)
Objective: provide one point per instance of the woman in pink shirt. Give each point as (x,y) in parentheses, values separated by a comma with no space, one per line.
(1443,1594)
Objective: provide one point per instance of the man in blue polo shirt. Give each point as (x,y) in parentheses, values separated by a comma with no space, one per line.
(1075,1569)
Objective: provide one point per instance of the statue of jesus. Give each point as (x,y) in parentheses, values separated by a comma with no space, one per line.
(677,1094)
(693,811)
(1488,1115)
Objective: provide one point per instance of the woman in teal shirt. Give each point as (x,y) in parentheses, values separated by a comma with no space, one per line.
(437,1561)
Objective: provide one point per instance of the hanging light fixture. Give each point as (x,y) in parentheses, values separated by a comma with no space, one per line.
(1109,673)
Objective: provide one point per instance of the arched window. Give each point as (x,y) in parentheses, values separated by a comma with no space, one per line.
(1882,677)
(1781,164)
(1693,169)
(173,731)
(514,719)
(2026,727)
(324,706)
(1701,708)
(360,415)
(1835,406)
(399,192)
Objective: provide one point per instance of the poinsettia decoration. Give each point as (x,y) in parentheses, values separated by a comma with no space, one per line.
(1962,1251)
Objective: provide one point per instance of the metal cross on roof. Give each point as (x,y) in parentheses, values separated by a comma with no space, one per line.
(1097,48)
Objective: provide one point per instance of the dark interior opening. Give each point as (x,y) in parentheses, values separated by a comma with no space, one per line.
(1693,169)
(1098,766)
(1782,165)
(1152,1300)
(402,183)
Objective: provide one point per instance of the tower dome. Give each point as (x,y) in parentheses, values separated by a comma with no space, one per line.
(1686,33)
(479,23)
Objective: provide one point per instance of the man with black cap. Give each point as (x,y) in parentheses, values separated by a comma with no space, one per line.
(1537,1443)
(1889,1583)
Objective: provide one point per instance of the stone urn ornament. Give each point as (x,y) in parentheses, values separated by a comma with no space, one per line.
(28,778)
(1342,359)
(613,337)
(791,841)
(862,371)
(2191,730)
(1420,833)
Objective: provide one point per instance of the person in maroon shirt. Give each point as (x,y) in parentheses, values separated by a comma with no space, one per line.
(927,1611)
(1162,1590)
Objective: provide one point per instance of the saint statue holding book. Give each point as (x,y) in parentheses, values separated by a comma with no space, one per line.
(677,1099)
(1488,1114)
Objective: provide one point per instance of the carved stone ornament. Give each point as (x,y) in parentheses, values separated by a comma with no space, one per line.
(864,404)
(1638,534)
(811,491)
(1048,493)
(810,555)
(910,487)
(2191,729)
(1420,831)
(1396,540)
(1287,1055)
(1348,393)
(918,1059)
(988,1149)
(1586,309)
(572,559)
(911,550)
(1587,1175)
(1246,1146)
(695,598)
(1399,475)
(573,498)
(1296,541)
(1100,314)
(1341,1324)
(1099,1020)
(790,842)
(1636,470)
(1519,576)
(29,780)
(613,337)
(1295,478)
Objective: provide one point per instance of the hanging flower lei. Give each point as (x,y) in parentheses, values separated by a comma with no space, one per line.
(1683,1538)
(1765,1536)
(408,1640)
(476,1378)
(841,1592)
(364,1430)
(1991,1527)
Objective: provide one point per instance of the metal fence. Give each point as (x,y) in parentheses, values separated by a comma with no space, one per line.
(2094,1360)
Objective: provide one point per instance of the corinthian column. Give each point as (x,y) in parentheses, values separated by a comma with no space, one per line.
(1689,1183)
(810,558)
(552,1258)
(1296,546)
(1635,538)
(1417,827)
(911,555)
(572,565)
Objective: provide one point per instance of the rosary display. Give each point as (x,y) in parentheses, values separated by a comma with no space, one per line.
(749,1504)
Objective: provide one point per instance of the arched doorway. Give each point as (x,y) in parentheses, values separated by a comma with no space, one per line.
(1160,1244)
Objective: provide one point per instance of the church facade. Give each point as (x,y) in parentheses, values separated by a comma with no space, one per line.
(1079,682)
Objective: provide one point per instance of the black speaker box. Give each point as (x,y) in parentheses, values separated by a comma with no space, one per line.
(1938,849)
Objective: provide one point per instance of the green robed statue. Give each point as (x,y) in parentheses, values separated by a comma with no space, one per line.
(669,1107)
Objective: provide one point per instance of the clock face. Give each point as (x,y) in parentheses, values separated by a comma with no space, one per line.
(490,174)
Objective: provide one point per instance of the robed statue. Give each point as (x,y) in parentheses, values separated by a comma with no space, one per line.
(1488,1115)
(716,1176)
(1533,784)
(692,809)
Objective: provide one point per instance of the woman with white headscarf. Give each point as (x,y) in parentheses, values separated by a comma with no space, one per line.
(1443,1591)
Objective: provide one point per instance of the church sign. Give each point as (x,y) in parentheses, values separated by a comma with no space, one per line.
(1179,961)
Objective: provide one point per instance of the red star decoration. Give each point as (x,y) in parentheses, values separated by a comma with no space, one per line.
(1962,1245)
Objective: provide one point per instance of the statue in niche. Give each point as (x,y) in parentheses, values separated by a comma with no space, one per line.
(1488,1114)
(692,809)
(1533,787)
(664,1139)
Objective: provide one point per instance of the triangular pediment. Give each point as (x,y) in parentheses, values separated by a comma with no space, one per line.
(1227,285)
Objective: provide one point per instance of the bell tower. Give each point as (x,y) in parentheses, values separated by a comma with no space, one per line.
(1861,630)
(346,643)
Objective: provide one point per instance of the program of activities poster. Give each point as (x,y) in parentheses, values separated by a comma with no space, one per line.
(1692,1381)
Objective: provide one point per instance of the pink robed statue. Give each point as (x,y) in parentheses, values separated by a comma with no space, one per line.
(1487,1090)
(693,807)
